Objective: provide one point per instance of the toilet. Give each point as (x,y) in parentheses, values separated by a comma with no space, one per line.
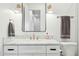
(68,48)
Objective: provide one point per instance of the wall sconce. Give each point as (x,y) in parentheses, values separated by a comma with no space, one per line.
(18,8)
(50,8)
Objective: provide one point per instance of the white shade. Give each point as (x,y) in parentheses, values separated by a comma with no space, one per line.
(50,8)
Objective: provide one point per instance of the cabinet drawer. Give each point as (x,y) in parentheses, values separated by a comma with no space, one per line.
(10,49)
(32,49)
(53,49)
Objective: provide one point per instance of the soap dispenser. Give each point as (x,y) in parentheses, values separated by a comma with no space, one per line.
(47,36)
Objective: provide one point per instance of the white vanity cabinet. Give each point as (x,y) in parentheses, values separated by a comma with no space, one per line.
(31,50)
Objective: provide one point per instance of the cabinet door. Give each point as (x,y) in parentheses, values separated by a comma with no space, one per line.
(32,50)
(1,47)
(53,54)
(10,54)
(10,50)
(32,54)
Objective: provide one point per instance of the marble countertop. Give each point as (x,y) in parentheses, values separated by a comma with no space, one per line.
(24,41)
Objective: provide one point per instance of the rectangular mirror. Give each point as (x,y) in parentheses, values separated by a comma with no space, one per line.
(33,17)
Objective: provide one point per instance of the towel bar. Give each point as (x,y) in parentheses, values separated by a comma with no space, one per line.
(70,16)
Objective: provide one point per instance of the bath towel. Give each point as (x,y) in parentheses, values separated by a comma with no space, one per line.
(65,27)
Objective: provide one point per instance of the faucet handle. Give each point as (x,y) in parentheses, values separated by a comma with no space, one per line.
(37,38)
